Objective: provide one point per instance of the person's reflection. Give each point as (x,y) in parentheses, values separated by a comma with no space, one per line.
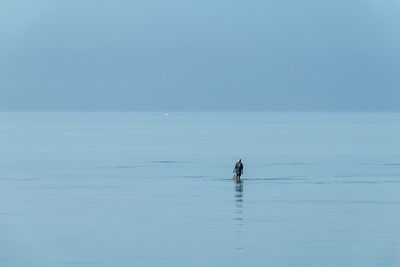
(239,213)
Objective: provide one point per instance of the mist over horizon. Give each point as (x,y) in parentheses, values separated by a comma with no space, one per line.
(175,55)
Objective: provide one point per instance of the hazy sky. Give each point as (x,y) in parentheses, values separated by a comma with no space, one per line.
(200,55)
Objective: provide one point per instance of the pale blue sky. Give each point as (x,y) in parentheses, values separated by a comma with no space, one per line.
(200,55)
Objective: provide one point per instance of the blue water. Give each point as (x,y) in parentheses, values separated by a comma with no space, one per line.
(146,189)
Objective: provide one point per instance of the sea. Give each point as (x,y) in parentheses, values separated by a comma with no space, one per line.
(155,189)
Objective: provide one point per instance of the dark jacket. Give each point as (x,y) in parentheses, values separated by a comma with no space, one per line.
(238,168)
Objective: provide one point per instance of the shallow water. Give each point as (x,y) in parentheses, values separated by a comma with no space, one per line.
(145,189)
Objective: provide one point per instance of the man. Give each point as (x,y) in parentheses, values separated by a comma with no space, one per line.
(238,170)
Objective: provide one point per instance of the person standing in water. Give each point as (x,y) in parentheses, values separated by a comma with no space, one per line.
(238,170)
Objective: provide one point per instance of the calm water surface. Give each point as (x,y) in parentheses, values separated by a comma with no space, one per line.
(145,189)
